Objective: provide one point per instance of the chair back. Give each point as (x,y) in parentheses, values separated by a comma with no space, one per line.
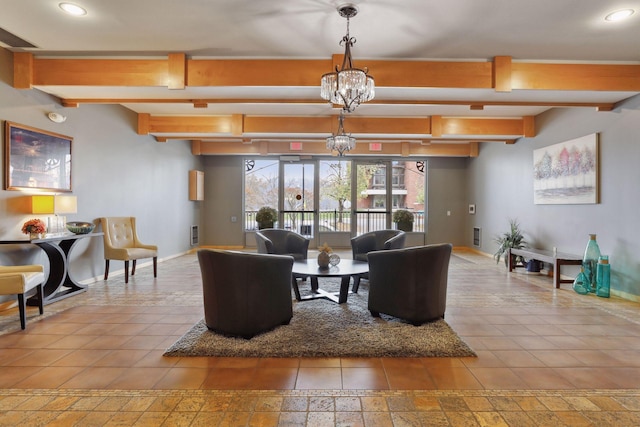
(245,293)
(119,232)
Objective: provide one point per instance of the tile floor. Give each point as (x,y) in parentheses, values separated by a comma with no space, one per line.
(545,357)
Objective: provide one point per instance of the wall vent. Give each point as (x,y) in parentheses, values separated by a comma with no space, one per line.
(195,237)
(476,236)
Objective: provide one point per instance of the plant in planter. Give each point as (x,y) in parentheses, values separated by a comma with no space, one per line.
(266,217)
(404,219)
(511,239)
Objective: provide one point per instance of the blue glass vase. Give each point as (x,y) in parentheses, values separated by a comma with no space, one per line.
(581,284)
(590,262)
(603,273)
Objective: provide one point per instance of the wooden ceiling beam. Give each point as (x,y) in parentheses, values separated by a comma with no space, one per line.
(237,125)
(502,73)
(318,148)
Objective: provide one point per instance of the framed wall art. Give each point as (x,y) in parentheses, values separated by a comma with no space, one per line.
(37,159)
(567,173)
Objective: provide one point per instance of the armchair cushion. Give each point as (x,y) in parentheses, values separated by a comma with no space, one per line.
(20,279)
(410,283)
(282,242)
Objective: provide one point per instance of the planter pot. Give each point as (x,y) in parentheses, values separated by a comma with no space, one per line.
(262,225)
(533,266)
(405,226)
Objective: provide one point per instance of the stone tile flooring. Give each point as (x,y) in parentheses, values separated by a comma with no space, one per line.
(547,357)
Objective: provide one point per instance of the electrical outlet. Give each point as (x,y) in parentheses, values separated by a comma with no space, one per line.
(448,213)
(234,219)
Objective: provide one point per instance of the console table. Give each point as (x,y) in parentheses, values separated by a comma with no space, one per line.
(59,284)
(558,259)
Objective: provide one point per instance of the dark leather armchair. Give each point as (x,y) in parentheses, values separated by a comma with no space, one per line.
(375,241)
(245,293)
(410,283)
(282,242)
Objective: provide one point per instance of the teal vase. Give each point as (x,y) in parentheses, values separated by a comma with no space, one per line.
(590,262)
(603,274)
(581,284)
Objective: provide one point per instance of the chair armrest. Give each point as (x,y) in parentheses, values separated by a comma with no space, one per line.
(396,242)
(34,268)
(297,244)
(150,247)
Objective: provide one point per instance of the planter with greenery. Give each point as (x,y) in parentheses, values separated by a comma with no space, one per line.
(266,217)
(404,219)
(510,239)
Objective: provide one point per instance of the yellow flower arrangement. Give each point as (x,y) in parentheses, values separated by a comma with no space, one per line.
(34,226)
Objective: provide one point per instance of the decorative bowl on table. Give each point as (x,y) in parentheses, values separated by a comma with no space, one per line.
(80,227)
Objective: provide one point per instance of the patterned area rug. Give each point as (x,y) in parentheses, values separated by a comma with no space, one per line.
(321,328)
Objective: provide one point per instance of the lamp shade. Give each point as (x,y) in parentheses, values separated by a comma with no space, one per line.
(49,204)
(42,204)
(65,204)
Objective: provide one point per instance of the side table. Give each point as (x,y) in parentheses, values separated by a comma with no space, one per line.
(59,284)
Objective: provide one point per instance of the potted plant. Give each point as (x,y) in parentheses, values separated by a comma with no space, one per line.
(266,217)
(404,219)
(510,239)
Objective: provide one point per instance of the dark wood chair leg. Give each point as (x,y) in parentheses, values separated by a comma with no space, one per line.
(22,304)
(40,293)
(126,272)
(133,268)
(155,266)
(106,269)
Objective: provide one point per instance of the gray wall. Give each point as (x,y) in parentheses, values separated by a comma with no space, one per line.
(115,172)
(501,184)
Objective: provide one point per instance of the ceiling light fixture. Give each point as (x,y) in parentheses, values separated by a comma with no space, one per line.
(341,142)
(347,86)
(72,9)
(619,15)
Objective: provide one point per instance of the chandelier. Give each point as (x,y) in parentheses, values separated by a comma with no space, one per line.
(341,142)
(347,86)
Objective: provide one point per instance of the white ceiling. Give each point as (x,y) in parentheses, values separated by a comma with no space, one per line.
(540,30)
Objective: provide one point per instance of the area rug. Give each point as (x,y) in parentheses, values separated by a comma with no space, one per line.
(321,328)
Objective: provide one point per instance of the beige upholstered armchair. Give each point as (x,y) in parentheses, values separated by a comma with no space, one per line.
(121,243)
(20,279)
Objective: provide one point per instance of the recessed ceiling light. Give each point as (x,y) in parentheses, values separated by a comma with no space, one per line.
(72,9)
(619,15)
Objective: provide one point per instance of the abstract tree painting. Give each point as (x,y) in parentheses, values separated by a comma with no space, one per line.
(567,173)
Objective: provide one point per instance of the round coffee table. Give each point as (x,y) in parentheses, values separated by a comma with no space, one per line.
(345,270)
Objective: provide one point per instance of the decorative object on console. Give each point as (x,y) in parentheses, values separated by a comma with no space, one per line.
(404,219)
(35,228)
(590,261)
(347,86)
(80,227)
(56,205)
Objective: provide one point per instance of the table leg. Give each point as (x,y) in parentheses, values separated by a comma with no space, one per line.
(58,255)
(344,289)
(296,290)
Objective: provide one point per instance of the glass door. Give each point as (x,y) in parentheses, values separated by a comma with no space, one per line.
(372,195)
(298,190)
